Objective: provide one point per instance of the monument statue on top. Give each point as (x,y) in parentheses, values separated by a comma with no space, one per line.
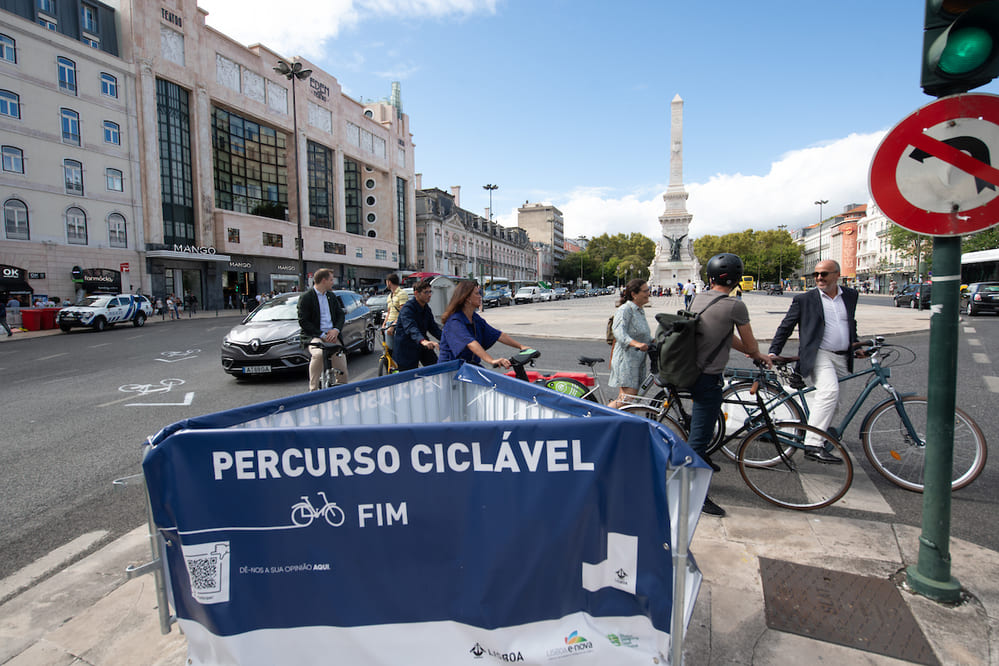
(675,261)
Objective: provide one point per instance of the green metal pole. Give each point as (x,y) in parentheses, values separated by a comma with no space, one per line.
(931,576)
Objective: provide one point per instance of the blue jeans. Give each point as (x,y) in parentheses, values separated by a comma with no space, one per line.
(706,395)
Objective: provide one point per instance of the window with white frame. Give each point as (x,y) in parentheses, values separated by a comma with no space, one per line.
(49,24)
(8,49)
(117,236)
(67,75)
(13,159)
(15,220)
(92,41)
(76,226)
(10,104)
(114,179)
(70,126)
(47,6)
(88,18)
(112,133)
(109,85)
(73,172)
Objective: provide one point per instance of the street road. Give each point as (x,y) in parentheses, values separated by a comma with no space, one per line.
(78,407)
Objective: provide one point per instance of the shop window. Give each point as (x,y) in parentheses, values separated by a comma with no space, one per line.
(15,220)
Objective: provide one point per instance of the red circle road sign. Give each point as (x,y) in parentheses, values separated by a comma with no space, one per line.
(933,174)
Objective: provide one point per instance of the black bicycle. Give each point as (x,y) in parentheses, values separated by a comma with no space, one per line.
(330,374)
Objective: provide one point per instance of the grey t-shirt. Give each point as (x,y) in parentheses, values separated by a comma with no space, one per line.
(716,325)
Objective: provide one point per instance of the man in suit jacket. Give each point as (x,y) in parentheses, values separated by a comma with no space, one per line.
(827,331)
(321,317)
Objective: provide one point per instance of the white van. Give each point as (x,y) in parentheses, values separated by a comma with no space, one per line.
(527,295)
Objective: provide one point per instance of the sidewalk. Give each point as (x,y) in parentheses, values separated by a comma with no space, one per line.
(155,320)
(89,613)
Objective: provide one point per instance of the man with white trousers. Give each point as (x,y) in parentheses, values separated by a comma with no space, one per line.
(827,332)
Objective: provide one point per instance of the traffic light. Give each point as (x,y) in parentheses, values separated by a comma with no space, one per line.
(960,45)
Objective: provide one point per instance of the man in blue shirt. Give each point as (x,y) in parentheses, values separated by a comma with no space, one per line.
(413,347)
(321,317)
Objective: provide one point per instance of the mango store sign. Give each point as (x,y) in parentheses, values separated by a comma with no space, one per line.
(191,249)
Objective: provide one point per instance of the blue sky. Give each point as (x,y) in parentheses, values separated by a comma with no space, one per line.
(568,102)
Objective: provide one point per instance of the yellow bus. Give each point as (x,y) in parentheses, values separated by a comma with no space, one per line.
(747,283)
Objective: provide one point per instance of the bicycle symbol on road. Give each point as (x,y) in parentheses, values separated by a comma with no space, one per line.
(164,386)
(303,513)
(174,356)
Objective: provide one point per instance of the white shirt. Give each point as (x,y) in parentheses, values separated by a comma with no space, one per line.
(836,336)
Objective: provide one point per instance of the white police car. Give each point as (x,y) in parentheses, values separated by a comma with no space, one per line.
(104,311)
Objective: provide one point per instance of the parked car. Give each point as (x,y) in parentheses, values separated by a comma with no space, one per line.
(527,295)
(561,293)
(980,297)
(268,341)
(102,312)
(378,304)
(495,297)
(594,292)
(579,293)
(909,296)
(547,295)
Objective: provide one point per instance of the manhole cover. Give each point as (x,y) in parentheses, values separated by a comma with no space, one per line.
(860,612)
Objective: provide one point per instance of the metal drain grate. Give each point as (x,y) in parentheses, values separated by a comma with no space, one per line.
(860,612)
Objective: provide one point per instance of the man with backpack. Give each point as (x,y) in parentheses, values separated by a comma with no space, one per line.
(714,339)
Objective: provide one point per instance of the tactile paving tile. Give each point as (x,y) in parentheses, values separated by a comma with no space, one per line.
(860,612)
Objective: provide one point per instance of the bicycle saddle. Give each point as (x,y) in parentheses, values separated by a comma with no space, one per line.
(589,360)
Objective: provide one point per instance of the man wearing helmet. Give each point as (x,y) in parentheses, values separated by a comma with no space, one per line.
(714,339)
(827,332)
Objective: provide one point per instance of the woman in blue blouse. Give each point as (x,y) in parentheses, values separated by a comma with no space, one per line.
(467,335)
(631,341)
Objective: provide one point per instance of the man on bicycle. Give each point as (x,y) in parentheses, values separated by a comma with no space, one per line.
(397,298)
(415,324)
(321,317)
(714,339)
(826,318)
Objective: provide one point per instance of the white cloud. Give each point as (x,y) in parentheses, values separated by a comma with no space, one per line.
(836,171)
(306,30)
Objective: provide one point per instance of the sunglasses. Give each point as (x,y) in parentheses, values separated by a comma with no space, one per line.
(818,274)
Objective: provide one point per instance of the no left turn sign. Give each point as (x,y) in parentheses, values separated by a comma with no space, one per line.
(933,173)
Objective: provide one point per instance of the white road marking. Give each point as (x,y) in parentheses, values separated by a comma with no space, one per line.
(992,383)
(45,358)
(48,563)
(974,342)
(969,329)
(981,358)
(188,399)
(863,495)
(103,344)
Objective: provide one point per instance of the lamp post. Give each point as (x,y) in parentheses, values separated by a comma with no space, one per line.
(492,266)
(780,257)
(292,71)
(819,203)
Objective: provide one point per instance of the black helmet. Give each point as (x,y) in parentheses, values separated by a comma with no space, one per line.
(725,269)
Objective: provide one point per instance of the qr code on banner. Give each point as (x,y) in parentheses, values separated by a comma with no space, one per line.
(208,571)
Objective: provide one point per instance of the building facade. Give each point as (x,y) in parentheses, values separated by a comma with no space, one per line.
(73,221)
(877,262)
(177,160)
(544,224)
(454,241)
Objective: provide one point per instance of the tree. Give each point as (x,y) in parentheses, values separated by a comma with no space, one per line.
(767,255)
(983,240)
(911,246)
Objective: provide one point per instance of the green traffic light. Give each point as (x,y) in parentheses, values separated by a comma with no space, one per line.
(967,49)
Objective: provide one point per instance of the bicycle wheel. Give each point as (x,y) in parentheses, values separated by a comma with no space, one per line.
(741,412)
(680,411)
(900,459)
(327,379)
(793,480)
(382,366)
(656,415)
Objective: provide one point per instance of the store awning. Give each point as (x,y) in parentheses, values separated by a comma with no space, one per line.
(186,256)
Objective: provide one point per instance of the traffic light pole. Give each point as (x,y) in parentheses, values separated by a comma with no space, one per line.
(931,577)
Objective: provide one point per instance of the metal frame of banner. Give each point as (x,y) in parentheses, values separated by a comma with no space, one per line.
(680,557)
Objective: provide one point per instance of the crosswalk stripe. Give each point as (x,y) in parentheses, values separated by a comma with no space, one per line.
(992,383)
(974,342)
(981,358)
(863,495)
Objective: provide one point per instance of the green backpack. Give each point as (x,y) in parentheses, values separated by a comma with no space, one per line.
(676,340)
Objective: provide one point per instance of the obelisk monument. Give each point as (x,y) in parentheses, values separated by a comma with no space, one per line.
(675,261)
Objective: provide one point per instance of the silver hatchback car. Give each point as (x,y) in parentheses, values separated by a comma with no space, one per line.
(268,340)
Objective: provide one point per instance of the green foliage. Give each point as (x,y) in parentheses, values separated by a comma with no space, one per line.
(983,240)
(767,255)
(610,257)
(912,246)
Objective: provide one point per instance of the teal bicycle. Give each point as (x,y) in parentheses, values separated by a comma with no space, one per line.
(893,432)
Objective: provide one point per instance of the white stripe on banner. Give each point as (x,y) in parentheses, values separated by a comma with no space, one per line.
(621,641)
(619,569)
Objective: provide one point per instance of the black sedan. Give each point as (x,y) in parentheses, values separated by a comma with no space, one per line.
(268,340)
(980,297)
(909,296)
(492,298)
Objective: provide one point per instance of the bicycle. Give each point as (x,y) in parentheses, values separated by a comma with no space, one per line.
(577,384)
(386,364)
(791,464)
(330,375)
(303,513)
(893,432)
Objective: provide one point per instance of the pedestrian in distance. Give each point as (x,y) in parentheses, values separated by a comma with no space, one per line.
(413,346)
(170,306)
(466,335)
(321,318)
(688,294)
(826,318)
(631,342)
(3,318)
(714,340)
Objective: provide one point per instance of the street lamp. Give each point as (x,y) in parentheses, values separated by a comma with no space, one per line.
(819,203)
(780,250)
(292,71)
(492,266)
